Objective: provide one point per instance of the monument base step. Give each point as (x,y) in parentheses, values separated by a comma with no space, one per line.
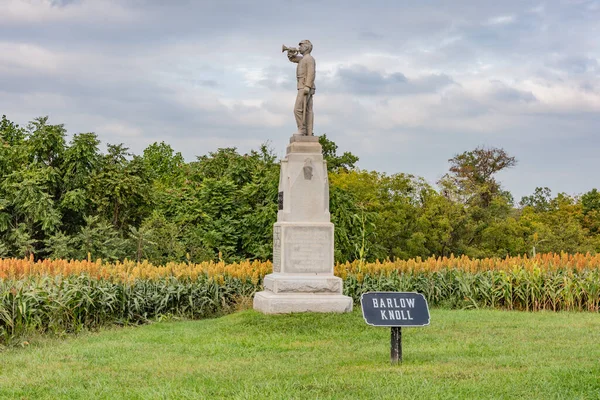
(270,303)
(297,284)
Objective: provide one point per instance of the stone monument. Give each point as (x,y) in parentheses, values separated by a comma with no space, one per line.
(302,278)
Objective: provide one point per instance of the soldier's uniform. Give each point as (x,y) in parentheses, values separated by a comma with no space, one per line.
(305,74)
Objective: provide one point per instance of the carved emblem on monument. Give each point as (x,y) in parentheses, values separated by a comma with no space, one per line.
(308,169)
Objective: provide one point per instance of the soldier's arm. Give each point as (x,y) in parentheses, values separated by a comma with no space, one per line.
(295,58)
(310,73)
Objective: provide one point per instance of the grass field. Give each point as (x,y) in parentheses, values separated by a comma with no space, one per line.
(246,355)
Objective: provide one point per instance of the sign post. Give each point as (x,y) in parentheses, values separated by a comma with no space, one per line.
(396,345)
(395,309)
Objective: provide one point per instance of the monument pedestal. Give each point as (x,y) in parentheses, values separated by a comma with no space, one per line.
(302,278)
(271,303)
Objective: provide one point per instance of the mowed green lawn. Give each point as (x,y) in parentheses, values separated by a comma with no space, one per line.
(247,355)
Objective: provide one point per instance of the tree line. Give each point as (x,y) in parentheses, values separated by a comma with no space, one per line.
(62,199)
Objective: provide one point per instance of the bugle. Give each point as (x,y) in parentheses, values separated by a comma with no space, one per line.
(290,50)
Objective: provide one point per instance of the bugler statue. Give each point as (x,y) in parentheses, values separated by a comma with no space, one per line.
(305,74)
(303,236)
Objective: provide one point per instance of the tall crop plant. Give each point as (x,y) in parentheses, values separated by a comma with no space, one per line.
(66,296)
(70,303)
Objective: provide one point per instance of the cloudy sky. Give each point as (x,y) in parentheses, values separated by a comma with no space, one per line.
(404,85)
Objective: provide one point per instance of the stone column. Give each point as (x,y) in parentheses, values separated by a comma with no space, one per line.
(302,278)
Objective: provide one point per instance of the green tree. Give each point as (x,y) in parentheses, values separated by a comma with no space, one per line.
(81,161)
(60,246)
(99,239)
(12,140)
(471,182)
(119,188)
(336,163)
(441,224)
(559,228)
(350,232)
(46,142)
(539,200)
(163,165)
(590,204)
(158,240)
(471,175)
(385,212)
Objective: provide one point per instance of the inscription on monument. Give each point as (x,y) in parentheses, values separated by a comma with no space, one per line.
(280,201)
(276,249)
(308,249)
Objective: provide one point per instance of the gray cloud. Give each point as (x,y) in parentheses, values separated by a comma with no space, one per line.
(404,85)
(578,64)
(63,3)
(503,92)
(369,35)
(362,81)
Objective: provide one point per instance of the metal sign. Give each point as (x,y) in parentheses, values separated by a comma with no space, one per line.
(395,309)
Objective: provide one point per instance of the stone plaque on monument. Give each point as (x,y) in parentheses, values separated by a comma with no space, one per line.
(308,249)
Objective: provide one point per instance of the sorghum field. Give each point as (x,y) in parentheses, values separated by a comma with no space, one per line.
(61,296)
